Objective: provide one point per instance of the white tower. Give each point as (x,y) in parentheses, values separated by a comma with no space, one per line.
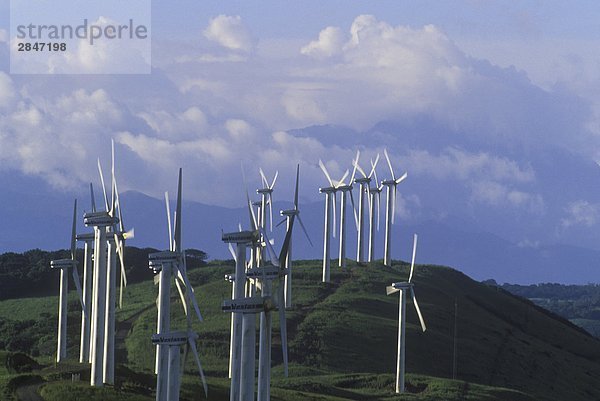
(403,287)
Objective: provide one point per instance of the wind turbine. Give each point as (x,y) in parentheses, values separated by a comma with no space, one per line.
(345,189)
(330,202)
(374,192)
(242,359)
(172,342)
(363,182)
(115,237)
(288,260)
(101,221)
(266,198)
(88,241)
(403,287)
(390,212)
(242,240)
(167,264)
(64,265)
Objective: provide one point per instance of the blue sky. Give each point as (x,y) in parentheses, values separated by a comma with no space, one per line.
(470,97)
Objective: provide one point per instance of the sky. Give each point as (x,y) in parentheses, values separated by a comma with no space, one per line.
(467,96)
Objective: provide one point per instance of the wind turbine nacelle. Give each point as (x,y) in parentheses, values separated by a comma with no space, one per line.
(363,180)
(248,305)
(264,191)
(344,188)
(327,190)
(266,272)
(174,338)
(375,190)
(289,212)
(402,285)
(157,260)
(241,237)
(62,263)
(388,182)
(85,237)
(99,219)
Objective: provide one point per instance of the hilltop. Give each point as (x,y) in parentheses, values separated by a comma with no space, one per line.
(342,339)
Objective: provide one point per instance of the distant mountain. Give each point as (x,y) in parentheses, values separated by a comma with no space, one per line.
(33,215)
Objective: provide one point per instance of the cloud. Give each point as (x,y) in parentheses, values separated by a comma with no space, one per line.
(329,44)
(581,213)
(7,91)
(229,32)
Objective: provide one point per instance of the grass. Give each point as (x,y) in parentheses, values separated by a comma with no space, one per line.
(342,341)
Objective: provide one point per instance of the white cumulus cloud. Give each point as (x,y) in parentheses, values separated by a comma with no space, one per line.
(230,32)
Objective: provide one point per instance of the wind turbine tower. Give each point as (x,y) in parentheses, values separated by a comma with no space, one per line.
(403,288)
(167,264)
(88,249)
(330,201)
(363,183)
(374,192)
(390,212)
(64,265)
(288,259)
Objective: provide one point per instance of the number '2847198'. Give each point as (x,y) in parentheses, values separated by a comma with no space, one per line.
(41,46)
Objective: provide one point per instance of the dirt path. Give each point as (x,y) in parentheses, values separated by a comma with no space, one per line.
(29,392)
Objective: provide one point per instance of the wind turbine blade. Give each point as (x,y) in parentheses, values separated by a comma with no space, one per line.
(232,252)
(390,290)
(74,233)
(78,288)
(118,206)
(263,178)
(324,169)
(387,157)
(252,217)
(274,180)
(296,190)
(373,166)
(304,229)
(169,220)
(414,298)
(399,180)
(270,251)
(412,263)
(92,197)
(189,288)
(283,326)
(354,207)
(103,186)
(182,296)
(341,181)
(178,247)
(112,175)
(355,165)
(192,342)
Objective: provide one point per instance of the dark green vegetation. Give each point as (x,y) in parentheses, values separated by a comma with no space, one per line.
(578,303)
(342,339)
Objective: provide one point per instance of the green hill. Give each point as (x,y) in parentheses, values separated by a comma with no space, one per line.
(342,339)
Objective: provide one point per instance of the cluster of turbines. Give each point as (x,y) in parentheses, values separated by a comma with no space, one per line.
(261,283)
(366,191)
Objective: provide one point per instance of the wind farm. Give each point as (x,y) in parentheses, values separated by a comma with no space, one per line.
(380,201)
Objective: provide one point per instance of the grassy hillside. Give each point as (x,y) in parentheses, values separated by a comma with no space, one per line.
(342,339)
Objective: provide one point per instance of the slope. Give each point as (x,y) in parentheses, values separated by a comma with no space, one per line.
(343,341)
